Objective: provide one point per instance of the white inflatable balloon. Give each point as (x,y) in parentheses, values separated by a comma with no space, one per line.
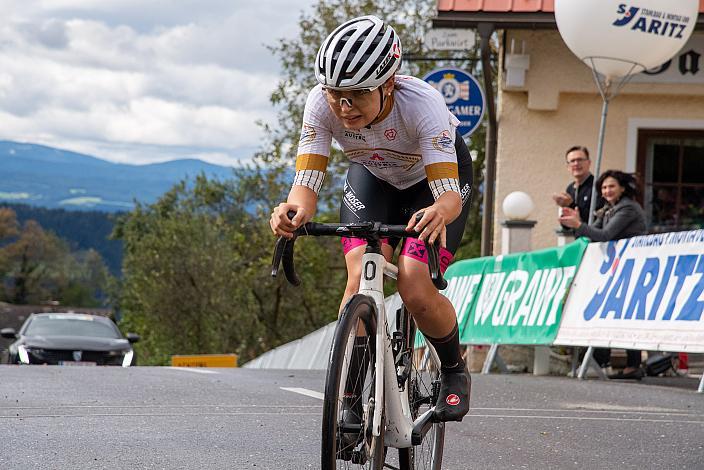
(518,206)
(613,35)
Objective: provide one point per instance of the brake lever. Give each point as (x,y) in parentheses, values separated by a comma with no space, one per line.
(283,254)
(278,254)
(434,265)
(289,267)
(434,260)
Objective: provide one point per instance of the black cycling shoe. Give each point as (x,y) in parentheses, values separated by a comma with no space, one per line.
(453,401)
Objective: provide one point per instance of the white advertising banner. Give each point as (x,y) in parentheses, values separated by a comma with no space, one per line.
(641,293)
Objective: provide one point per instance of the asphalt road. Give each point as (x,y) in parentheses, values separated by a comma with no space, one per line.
(164,418)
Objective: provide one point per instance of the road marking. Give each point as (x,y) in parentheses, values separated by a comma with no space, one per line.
(631,411)
(588,418)
(97,415)
(320,396)
(615,410)
(603,407)
(193,369)
(166,415)
(53,407)
(304,391)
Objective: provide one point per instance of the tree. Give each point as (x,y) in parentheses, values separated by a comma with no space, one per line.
(8,229)
(37,266)
(197,273)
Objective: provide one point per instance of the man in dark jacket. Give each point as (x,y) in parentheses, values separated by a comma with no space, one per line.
(579,192)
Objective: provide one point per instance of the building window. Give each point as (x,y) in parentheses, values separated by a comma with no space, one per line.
(671,172)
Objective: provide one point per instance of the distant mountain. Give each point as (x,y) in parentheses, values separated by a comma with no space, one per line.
(50,177)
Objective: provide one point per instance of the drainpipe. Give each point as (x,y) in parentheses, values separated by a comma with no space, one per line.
(487,245)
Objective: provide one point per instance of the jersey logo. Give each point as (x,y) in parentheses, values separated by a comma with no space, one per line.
(307,134)
(443,142)
(355,136)
(465,193)
(390,134)
(351,200)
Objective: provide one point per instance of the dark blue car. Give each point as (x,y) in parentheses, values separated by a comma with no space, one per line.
(70,339)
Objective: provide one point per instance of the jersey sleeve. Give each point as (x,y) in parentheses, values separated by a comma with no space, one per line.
(436,127)
(314,143)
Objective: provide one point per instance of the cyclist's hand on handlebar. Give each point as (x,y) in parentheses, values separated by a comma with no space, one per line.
(429,223)
(284,226)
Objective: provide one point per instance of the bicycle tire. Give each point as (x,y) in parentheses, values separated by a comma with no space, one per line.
(350,451)
(421,396)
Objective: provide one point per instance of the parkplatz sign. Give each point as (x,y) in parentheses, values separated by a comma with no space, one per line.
(450,39)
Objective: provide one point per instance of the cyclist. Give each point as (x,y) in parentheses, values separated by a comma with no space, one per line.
(406,156)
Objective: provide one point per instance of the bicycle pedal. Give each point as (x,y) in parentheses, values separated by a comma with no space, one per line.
(422,425)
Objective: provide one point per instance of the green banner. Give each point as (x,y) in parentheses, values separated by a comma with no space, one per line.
(513,299)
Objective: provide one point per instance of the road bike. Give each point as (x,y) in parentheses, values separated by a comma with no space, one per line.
(380,389)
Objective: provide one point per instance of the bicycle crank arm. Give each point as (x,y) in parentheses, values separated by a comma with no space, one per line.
(422,425)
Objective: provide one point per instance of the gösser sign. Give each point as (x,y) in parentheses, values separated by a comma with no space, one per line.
(449,39)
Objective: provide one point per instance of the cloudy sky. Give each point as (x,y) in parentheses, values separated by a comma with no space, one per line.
(139,81)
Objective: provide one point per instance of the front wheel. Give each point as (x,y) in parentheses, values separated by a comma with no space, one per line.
(348,405)
(422,386)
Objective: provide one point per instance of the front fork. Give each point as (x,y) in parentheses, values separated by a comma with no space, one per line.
(371,284)
(386,388)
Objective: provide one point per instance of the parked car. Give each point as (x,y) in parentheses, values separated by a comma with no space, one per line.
(70,339)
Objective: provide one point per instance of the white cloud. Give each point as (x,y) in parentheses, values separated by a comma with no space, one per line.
(137,81)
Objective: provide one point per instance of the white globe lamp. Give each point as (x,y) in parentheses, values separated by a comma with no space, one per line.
(617,38)
(518,206)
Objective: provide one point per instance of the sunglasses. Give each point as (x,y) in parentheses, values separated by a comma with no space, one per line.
(340,97)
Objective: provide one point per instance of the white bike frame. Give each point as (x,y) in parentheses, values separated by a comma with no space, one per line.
(399,424)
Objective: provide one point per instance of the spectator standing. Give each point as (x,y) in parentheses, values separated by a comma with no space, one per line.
(620,217)
(578,193)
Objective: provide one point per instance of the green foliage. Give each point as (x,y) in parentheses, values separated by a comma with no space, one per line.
(37,266)
(197,273)
(82,230)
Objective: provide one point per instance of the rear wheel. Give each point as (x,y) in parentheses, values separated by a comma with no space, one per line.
(348,405)
(422,386)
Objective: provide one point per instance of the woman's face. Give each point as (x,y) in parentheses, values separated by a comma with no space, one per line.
(357,108)
(611,190)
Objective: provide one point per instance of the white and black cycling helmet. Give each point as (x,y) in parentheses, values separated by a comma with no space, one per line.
(360,54)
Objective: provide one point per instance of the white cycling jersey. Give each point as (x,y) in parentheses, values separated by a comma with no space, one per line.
(412,139)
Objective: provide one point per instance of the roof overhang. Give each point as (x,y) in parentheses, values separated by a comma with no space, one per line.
(500,20)
(508,20)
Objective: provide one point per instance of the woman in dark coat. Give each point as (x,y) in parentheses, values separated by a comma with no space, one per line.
(621,217)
